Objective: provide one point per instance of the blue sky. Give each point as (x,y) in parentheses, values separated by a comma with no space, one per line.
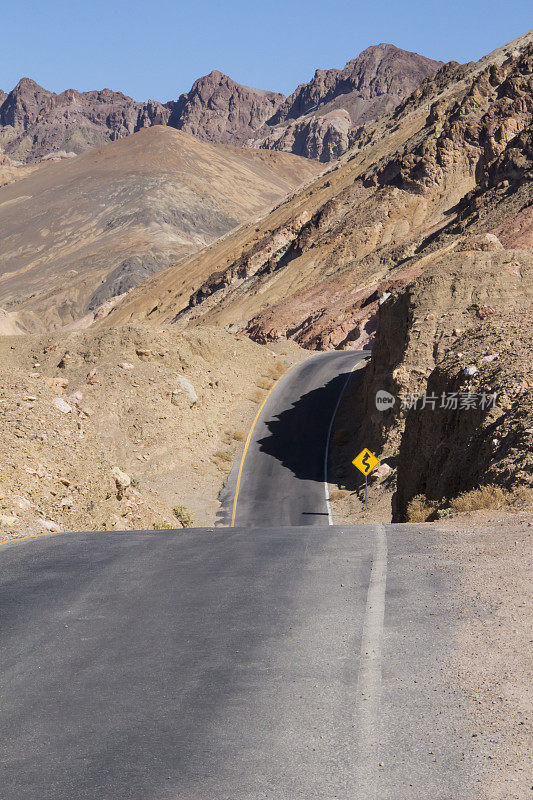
(156,49)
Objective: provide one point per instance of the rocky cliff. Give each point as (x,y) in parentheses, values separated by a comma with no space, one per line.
(37,123)
(217,109)
(322,118)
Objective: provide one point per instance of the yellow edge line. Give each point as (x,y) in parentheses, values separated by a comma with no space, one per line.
(51,533)
(232,524)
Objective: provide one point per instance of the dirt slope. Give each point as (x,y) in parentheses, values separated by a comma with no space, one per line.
(169,410)
(79,232)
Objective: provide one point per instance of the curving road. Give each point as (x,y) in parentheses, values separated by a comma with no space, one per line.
(245,663)
(280,480)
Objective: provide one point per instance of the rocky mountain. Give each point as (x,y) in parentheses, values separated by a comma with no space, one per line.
(79,232)
(217,109)
(322,118)
(36,123)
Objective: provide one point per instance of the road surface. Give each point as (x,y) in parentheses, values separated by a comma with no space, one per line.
(231,664)
(257,662)
(280,480)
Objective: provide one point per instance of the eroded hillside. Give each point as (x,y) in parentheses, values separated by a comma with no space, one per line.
(315,268)
(78,233)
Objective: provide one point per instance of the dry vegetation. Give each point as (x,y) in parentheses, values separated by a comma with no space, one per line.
(483,498)
(184,516)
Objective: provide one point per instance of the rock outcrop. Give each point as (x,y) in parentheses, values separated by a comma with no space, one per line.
(319,120)
(217,109)
(382,73)
(36,122)
(322,118)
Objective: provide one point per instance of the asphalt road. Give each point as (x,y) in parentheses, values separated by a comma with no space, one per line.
(282,474)
(230,664)
(260,662)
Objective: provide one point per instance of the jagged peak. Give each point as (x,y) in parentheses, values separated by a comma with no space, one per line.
(28,84)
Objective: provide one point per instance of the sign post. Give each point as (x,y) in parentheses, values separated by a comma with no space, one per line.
(365,462)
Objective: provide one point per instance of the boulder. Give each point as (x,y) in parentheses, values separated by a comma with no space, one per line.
(185,391)
(122,481)
(381,472)
(61,405)
(75,398)
(51,526)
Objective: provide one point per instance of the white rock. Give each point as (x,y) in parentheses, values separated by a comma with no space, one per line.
(382,471)
(61,405)
(75,398)
(48,525)
(185,391)
(122,481)
(126,365)
(470,371)
(7,520)
(23,503)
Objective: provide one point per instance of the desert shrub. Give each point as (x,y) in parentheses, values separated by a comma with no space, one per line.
(163,526)
(223,459)
(184,516)
(419,509)
(238,436)
(256,396)
(338,494)
(276,370)
(264,383)
(223,455)
(490,496)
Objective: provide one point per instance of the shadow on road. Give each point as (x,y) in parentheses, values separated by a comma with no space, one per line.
(297,436)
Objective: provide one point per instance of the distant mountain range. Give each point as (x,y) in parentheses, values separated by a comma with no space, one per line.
(320,119)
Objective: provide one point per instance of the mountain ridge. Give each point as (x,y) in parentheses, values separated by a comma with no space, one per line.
(36,123)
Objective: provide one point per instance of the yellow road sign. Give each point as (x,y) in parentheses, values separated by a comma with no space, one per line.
(365,461)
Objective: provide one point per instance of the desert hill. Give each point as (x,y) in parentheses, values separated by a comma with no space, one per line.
(81,231)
